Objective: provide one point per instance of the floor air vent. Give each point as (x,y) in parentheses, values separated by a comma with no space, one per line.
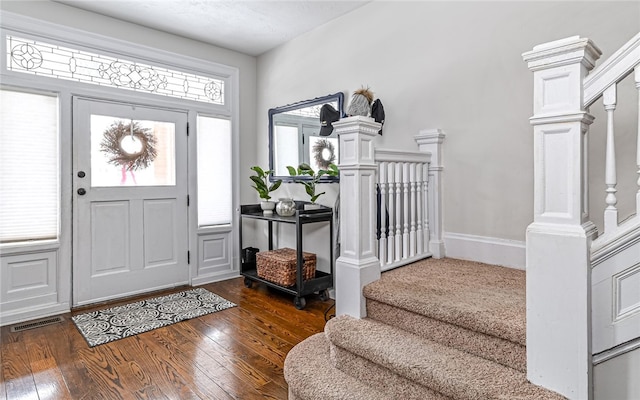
(36,324)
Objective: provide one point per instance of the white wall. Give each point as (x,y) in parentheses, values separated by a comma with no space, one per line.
(95,23)
(450,65)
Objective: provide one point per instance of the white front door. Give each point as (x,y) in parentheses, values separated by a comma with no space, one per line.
(130,230)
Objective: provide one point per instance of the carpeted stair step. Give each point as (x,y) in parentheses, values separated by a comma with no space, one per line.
(310,374)
(359,344)
(474,307)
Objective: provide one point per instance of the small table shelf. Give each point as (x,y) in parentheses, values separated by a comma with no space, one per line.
(321,282)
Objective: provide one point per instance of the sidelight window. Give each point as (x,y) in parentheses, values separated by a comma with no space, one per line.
(29,161)
(214,171)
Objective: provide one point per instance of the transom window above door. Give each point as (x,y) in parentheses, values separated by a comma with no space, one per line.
(51,60)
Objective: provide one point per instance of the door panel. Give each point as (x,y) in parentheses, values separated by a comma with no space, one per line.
(159,223)
(130,209)
(114,255)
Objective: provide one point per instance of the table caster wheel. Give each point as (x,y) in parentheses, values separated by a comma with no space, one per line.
(324,295)
(248,283)
(299,302)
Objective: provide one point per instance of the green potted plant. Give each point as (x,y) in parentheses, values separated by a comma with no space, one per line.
(310,185)
(261,185)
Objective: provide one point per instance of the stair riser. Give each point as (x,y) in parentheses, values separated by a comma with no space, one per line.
(491,348)
(381,378)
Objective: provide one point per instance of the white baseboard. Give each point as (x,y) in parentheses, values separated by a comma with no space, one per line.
(489,250)
(31,313)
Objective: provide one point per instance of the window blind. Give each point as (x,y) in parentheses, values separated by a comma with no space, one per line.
(214,171)
(29,167)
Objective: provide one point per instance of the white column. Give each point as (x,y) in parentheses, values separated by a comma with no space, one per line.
(358,264)
(559,239)
(430,141)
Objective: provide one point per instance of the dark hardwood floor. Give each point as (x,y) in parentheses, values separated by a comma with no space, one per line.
(237,353)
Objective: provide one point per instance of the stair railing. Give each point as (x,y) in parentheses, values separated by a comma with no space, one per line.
(411,184)
(615,253)
(402,218)
(603,82)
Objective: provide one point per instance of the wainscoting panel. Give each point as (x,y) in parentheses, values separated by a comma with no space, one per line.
(29,284)
(616,298)
(214,258)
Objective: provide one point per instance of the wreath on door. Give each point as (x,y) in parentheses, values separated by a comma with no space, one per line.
(129,146)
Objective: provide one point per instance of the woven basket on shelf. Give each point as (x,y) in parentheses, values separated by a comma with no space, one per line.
(279,266)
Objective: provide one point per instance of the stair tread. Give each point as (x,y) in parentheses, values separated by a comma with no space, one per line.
(481,297)
(310,374)
(446,370)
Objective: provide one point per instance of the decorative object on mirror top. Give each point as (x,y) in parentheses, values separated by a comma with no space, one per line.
(310,185)
(328,115)
(261,185)
(377,113)
(362,104)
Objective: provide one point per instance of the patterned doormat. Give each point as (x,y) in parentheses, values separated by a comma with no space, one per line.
(103,326)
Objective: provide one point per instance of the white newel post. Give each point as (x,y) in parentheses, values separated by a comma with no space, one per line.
(430,141)
(558,240)
(358,264)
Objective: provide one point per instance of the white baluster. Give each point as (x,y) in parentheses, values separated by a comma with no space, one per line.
(611,212)
(405,210)
(419,205)
(398,212)
(425,202)
(637,79)
(382,212)
(412,227)
(392,196)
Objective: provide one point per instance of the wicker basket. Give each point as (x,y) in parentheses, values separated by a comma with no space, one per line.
(279,266)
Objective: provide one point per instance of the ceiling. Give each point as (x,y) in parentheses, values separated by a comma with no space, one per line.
(247,26)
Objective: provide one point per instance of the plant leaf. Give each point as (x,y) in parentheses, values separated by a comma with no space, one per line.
(259,182)
(310,190)
(292,171)
(275,185)
(258,170)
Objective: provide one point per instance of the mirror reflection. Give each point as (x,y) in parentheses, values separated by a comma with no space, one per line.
(296,135)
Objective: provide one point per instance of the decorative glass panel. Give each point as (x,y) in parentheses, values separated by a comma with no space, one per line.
(128,152)
(54,61)
(214,171)
(29,161)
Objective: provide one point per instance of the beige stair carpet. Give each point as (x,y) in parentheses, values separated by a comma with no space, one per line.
(311,376)
(439,368)
(475,296)
(437,329)
(492,348)
(461,304)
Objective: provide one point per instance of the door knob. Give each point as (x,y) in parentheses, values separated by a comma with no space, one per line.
(81,174)
(82,192)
